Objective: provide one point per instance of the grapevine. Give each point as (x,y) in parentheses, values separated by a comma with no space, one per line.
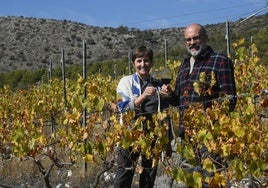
(41,125)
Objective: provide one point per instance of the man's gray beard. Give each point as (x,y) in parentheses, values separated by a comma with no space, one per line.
(197,52)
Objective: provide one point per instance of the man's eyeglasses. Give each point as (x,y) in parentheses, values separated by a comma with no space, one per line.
(196,38)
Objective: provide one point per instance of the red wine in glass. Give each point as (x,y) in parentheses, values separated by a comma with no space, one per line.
(166,76)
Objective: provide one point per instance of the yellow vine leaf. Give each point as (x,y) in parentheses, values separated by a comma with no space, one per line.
(197,88)
(238,131)
(202,77)
(250,109)
(208,165)
(226,150)
(197,180)
(219,180)
(213,79)
(100,104)
(204,135)
(179,175)
(89,158)
(93,89)
(161,115)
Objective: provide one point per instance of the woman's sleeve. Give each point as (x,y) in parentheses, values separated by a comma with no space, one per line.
(124,93)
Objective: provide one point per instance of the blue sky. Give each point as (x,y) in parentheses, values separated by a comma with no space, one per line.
(141,14)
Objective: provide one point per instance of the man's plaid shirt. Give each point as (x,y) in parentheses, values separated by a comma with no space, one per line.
(207,62)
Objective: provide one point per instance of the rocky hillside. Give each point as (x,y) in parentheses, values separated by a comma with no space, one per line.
(31,43)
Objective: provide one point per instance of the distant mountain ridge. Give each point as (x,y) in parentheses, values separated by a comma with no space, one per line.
(31,43)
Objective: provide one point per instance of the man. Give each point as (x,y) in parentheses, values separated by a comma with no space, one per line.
(203,60)
(202,63)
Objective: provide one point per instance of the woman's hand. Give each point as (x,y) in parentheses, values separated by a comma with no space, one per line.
(149,91)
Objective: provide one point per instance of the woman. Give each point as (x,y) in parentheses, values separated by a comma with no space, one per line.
(139,92)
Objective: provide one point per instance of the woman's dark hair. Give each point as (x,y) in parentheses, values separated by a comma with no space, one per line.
(142,51)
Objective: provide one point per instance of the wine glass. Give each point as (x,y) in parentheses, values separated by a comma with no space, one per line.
(166,75)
